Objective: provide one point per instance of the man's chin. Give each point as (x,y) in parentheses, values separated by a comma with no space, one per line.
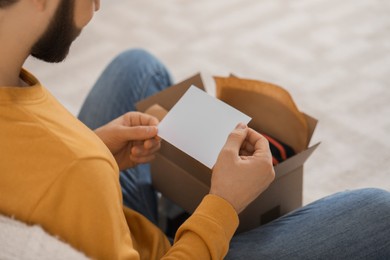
(51,57)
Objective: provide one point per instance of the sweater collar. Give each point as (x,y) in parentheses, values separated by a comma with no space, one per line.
(33,92)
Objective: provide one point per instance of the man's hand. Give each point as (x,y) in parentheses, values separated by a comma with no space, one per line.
(131,138)
(243,169)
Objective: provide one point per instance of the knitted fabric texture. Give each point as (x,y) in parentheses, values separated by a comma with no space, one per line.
(20,241)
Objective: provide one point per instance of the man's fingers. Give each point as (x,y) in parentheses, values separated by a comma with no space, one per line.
(143,159)
(236,138)
(149,144)
(138,118)
(140,150)
(138,132)
(247,147)
(257,141)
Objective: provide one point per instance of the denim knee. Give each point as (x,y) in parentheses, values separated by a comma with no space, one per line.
(144,70)
(132,76)
(371,200)
(139,61)
(374,194)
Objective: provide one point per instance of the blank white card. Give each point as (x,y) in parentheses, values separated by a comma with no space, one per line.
(199,125)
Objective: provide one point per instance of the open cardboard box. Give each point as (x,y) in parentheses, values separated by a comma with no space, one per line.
(185,181)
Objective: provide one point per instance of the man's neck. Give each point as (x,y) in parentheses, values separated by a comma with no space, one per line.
(10,78)
(13,52)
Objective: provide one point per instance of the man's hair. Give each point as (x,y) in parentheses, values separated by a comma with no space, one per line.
(5,3)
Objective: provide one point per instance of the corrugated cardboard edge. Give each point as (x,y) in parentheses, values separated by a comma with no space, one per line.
(299,159)
(294,162)
(169,96)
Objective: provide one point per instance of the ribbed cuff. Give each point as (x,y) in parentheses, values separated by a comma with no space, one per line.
(221,211)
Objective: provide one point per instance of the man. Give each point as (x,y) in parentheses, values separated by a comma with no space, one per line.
(56,172)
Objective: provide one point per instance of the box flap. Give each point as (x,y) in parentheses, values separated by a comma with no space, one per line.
(186,162)
(176,184)
(169,96)
(271,107)
(311,123)
(294,162)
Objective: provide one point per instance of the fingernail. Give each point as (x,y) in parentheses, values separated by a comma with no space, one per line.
(150,129)
(241,126)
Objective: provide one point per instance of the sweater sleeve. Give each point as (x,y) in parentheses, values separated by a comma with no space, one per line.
(83,207)
(207,233)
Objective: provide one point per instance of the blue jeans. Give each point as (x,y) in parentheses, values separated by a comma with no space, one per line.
(129,78)
(347,225)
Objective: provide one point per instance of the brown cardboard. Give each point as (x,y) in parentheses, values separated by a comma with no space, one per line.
(168,98)
(186,181)
(266,102)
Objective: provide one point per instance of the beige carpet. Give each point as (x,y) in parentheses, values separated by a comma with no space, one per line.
(333,56)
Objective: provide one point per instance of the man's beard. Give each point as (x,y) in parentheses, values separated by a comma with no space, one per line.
(54,44)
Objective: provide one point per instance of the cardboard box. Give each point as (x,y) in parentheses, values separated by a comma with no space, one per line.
(186,181)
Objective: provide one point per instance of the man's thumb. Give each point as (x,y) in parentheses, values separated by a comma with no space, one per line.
(139,132)
(237,137)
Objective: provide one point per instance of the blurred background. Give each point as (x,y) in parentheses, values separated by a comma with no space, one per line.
(332,56)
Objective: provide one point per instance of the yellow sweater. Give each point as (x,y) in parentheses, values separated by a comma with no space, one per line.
(57,173)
